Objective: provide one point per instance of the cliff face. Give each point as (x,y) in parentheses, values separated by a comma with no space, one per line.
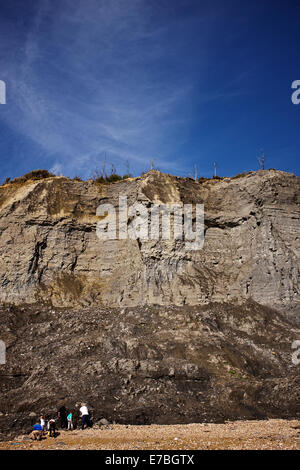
(50,252)
(150,364)
(148,331)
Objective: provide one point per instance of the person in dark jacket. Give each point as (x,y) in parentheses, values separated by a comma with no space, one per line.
(51,427)
(62,414)
(76,417)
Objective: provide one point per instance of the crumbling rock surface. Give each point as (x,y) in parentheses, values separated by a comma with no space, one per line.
(148,331)
(50,252)
(150,364)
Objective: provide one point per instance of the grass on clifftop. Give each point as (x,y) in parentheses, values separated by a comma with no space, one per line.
(44,174)
(33,175)
(101,178)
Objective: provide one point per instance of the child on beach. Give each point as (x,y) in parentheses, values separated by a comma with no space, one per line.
(70,421)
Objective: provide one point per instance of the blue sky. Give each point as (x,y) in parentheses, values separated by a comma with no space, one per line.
(182,82)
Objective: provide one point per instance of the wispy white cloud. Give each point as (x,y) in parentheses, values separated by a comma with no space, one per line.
(109,76)
(92,80)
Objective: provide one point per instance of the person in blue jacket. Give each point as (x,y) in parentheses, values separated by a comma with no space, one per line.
(37,432)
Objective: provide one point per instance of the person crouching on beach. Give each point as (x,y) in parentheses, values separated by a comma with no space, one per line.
(37,432)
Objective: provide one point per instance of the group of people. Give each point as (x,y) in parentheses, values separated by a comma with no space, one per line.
(66,422)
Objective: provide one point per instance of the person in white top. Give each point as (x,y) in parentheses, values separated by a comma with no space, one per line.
(84,410)
(85,416)
(43,423)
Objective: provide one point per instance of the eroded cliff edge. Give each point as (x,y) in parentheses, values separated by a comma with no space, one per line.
(146,331)
(50,252)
